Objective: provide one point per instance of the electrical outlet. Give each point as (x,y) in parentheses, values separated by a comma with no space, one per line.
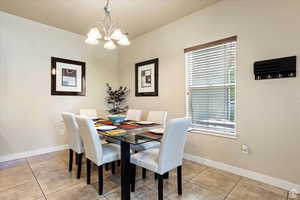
(245,149)
(293,194)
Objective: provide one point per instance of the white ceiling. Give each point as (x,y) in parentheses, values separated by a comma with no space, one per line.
(135,16)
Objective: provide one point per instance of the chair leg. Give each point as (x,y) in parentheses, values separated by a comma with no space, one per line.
(76,158)
(79,161)
(113,167)
(70,160)
(160,187)
(166,175)
(100,179)
(88,174)
(144,173)
(179,180)
(107,166)
(133,173)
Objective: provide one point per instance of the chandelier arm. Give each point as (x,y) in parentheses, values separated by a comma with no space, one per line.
(101,27)
(112,28)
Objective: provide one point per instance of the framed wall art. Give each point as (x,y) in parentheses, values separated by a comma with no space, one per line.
(67,77)
(146,78)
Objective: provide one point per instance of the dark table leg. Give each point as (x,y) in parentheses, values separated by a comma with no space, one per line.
(125,171)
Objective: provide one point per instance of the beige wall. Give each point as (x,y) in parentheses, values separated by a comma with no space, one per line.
(268,118)
(29,115)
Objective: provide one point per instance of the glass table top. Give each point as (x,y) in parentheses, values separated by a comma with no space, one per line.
(135,136)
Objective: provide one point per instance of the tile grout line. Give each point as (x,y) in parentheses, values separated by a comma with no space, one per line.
(36,179)
(191,180)
(235,185)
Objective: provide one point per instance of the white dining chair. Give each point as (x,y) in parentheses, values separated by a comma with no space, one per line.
(159,117)
(90,113)
(134,115)
(169,156)
(74,140)
(95,151)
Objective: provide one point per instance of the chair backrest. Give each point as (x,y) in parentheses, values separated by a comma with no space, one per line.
(90,113)
(159,117)
(172,144)
(91,140)
(135,115)
(72,129)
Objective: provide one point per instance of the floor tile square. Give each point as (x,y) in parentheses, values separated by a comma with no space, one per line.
(78,192)
(29,190)
(216,180)
(14,173)
(47,162)
(264,186)
(247,190)
(190,169)
(56,180)
(192,191)
(13,167)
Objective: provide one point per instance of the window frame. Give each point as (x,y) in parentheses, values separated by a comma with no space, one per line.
(198,128)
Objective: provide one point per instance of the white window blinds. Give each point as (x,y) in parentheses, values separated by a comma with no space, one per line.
(210,84)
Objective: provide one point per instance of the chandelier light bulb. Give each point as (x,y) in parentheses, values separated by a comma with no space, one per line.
(109,45)
(94,33)
(91,41)
(124,41)
(117,34)
(106,38)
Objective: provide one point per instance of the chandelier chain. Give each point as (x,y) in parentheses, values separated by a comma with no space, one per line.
(107,7)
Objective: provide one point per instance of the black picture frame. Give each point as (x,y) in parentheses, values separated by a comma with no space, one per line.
(141,64)
(54,91)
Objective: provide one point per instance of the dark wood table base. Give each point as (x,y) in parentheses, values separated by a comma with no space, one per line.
(125,170)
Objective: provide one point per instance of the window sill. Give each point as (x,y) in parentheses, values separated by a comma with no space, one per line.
(213,133)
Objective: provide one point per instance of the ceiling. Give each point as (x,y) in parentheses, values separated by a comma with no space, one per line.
(135,16)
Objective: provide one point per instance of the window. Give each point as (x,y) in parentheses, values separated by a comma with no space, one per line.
(211,86)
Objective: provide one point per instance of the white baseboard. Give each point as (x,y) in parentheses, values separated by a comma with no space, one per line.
(32,153)
(286,185)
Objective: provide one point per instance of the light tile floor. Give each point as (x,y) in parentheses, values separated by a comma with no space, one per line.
(46,177)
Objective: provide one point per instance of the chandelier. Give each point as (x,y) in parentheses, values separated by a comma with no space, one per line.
(110,31)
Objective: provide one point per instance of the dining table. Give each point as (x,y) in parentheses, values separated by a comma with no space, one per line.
(127,134)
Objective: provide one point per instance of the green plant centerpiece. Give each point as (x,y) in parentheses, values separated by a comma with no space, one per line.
(116,99)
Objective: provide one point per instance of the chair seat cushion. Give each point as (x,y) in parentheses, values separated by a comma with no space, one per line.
(145,146)
(147,159)
(111,152)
